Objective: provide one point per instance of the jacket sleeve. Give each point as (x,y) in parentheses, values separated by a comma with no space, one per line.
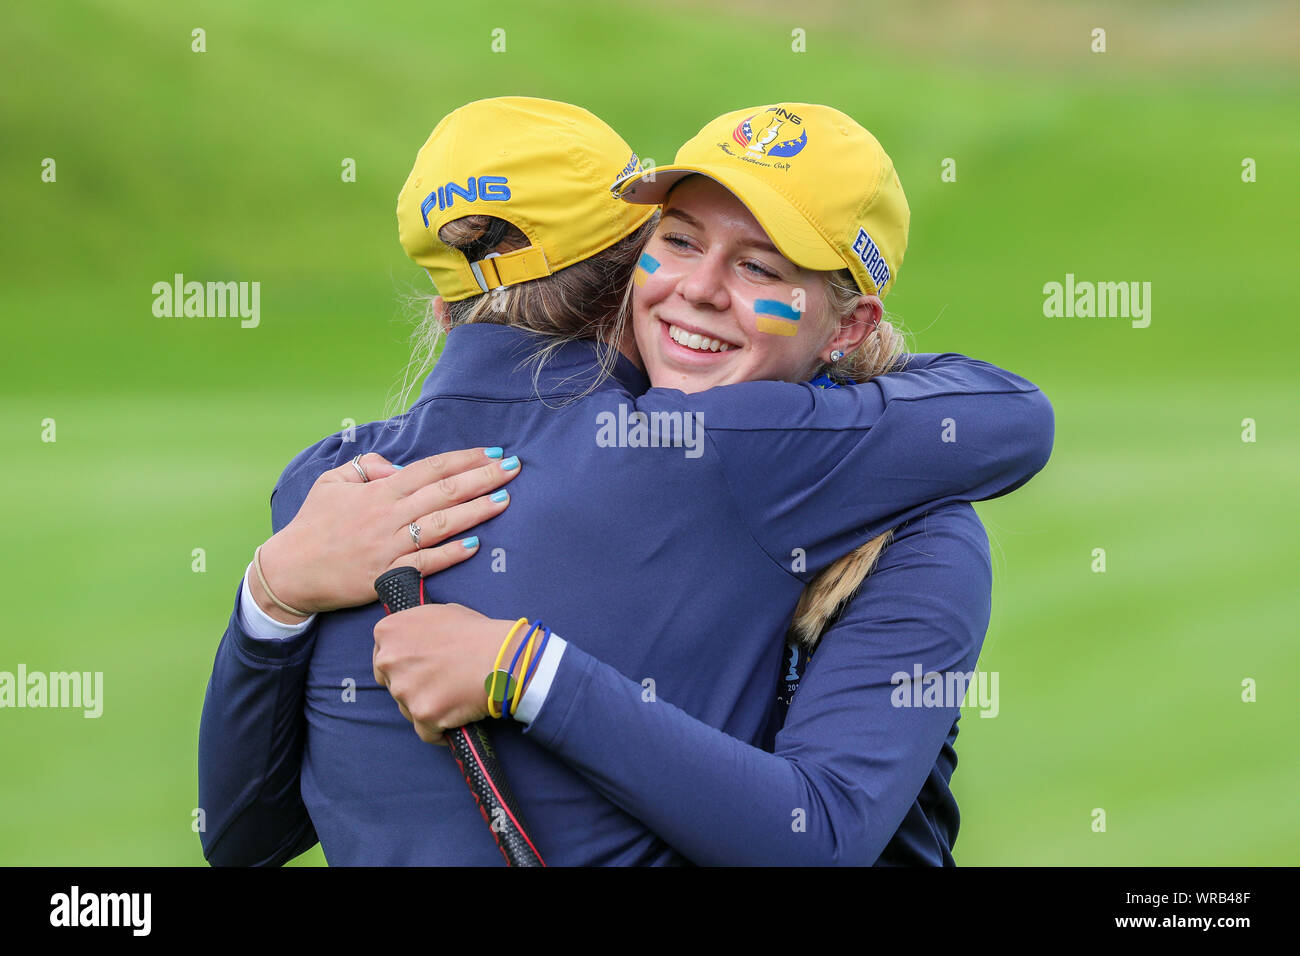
(816,473)
(850,760)
(253,726)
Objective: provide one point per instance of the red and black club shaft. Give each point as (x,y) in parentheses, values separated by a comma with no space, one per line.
(403,588)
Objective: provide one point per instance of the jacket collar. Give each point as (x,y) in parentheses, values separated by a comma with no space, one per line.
(482,360)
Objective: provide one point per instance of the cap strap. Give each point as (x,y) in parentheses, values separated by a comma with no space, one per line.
(511,268)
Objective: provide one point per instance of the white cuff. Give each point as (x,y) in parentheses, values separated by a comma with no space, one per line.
(261,626)
(540,685)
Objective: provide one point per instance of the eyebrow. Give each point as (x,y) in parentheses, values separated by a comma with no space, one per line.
(761,244)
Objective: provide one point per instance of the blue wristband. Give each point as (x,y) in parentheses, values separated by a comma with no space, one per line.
(537,659)
(505,704)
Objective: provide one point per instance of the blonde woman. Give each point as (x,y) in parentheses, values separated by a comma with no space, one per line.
(862,762)
(669,572)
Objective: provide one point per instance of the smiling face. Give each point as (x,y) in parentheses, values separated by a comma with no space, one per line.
(716,303)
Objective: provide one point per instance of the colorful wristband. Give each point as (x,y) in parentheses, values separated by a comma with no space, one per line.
(496,669)
(529,644)
(541,649)
(513,682)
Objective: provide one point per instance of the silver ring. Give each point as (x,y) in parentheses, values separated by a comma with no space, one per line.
(415,533)
(356,463)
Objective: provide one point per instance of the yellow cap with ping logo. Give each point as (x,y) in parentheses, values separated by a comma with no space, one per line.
(543,166)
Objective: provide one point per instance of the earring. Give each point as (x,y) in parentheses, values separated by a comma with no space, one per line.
(836,356)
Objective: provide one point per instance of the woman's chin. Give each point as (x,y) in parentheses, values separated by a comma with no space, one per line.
(664,373)
(688,386)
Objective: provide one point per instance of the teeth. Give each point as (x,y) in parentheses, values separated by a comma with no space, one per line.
(693,340)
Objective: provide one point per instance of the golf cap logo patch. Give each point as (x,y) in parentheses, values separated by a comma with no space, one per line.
(477,189)
(870,257)
(632,166)
(775,132)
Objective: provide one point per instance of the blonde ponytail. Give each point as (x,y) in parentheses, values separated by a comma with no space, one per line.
(824,598)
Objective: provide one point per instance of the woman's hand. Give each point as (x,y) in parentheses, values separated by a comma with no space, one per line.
(349,531)
(434,659)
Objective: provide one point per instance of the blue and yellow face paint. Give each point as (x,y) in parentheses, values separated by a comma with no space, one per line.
(776,317)
(645,268)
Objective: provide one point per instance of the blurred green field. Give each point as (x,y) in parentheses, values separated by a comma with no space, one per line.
(1118,690)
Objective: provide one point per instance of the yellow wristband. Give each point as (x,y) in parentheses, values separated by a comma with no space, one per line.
(496,667)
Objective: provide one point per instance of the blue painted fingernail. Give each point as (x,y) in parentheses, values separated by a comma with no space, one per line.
(500,496)
(510,464)
(399,466)
(470,542)
(494,452)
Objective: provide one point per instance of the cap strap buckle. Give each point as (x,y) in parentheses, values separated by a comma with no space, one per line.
(510,268)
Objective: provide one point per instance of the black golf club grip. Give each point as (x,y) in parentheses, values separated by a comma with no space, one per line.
(403,588)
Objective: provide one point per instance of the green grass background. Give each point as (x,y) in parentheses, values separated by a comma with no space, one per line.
(1119,691)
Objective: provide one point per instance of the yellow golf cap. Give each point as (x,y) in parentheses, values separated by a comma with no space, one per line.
(820,185)
(545,167)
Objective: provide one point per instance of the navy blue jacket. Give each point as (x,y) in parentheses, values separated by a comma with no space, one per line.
(858,773)
(658,563)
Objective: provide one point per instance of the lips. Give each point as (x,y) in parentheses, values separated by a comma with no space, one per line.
(693,344)
(696,341)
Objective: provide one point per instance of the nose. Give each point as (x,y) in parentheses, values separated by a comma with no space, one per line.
(704,285)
